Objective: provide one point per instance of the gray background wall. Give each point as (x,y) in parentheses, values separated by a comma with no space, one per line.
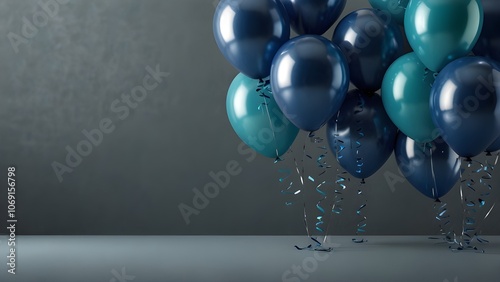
(66,77)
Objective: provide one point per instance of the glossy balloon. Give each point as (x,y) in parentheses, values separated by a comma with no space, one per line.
(406,91)
(442,31)
(249,33)
(249,118)
(495,146)
(394,8)
(418,160)
(489,41)
(370,45)
(465,104)
(313,16)
(309,78)
(361,136)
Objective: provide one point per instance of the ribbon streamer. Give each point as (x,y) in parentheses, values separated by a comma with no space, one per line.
(442,216)
(315,156)
(265,84)
(341,179)
(304,181)
(361,225)
(444,221)
(475,189)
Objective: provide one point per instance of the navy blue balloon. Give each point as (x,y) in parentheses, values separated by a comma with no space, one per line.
(488,44)
(309,79)
(418,160)
(313,16)
(371,44)
(495,146)
(250,32)
(362,136)
(465,104)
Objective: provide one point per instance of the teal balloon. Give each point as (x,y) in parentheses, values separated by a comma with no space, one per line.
(250,112)
(394,8)
(406,91)
(440,31)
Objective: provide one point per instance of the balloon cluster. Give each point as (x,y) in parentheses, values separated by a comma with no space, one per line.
(437,103)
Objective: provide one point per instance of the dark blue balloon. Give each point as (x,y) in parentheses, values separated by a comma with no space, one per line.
(495,146)
(433,168)
(488,44)
(362,136)
(371,44)
(465,104)
(249,33)
(309,79)
(313,16)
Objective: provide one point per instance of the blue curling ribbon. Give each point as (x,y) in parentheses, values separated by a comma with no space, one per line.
(444,220)
(320,183)
(286,173)
(317,153)
(263,86)
(322,164)
(318,246)
(341,181)
(321,210)
(361,225)
(475,189)
(442,216)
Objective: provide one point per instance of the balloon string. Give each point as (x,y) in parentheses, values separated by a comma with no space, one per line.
(317,246)
(264,85)
(469,228)
(434,188)
(301,174)
(442,215)
(469,191)
(485,176)
(361,226)
(322,164)
(359,159)
(336,207)
(443,219)
(340,181)
(285,174)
